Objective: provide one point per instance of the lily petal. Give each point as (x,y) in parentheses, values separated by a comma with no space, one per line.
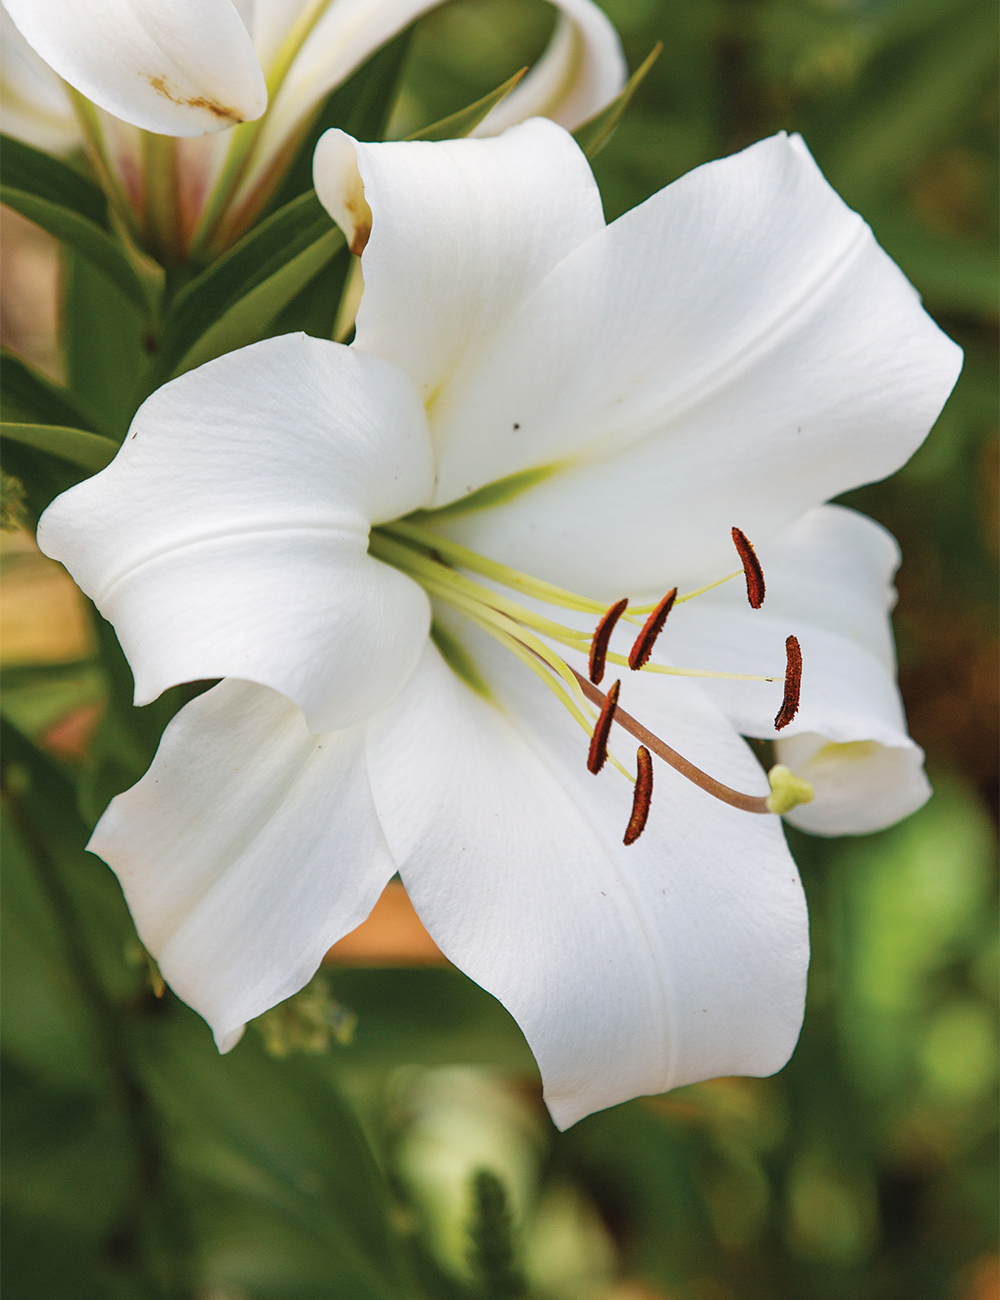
(229,536)
(583,69)
(829,582)
(746,350)
(35,106)
(630,970)
(460,233)
(180,67)
(247,849)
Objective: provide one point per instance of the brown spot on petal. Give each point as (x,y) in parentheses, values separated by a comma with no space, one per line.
(162,87)
(359,240)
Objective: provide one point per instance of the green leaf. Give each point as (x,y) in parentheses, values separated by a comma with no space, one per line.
(26,396)
(594,134)
(127,737)
(87,238)
(433,1016)
(282,248)
(643,1164)
(89,450)
(47,177)
(249,318)
(917,98)
(106,343)
(462,123)
(278,1134)
(951,274)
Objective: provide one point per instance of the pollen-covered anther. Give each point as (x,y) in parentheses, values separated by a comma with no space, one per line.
(752,571)
(651,629)
(793,683)
(641,797)
(602,636)
(602,729)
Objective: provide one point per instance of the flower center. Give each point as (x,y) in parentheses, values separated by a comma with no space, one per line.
(442,566)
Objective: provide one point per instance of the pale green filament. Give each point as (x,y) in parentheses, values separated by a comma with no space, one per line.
(429,559)
(389,542)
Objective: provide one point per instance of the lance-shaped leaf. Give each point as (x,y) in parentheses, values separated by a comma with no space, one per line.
(271,252)
(465,121)
(89,450)
(594,134)
(87,238)
(249,318)
(47,177)
(27,397)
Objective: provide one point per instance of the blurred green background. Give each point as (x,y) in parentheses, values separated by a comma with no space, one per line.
(382,1135)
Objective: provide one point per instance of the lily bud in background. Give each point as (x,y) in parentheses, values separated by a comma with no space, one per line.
(237,85)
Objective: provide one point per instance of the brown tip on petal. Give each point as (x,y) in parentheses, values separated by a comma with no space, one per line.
(793,683)
(642,797)
(651,629)
(752,571)
(602,728)
(359,240)
(599,641)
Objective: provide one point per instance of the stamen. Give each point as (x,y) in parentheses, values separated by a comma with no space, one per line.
(724,793)
(751,568)
(641,796)
(652,628)
(793,683)
(602,727)
(602,635)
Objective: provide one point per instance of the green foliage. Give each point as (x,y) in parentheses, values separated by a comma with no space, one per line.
(465,121)
(491,1244)
(88,450)
(49,178)
(594,134)
(233,301)
(86,238)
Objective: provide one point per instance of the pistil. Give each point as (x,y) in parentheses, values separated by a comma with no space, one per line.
(433,561)
(746,802)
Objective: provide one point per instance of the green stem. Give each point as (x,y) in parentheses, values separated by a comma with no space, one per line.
(165,1271)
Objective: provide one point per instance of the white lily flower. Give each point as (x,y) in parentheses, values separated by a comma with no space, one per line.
(194,68)
(596,406)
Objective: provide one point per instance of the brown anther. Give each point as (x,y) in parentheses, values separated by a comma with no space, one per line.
(602,635)
(793,683)
(642,796)
(752,571)
(602,729)
(651,629)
